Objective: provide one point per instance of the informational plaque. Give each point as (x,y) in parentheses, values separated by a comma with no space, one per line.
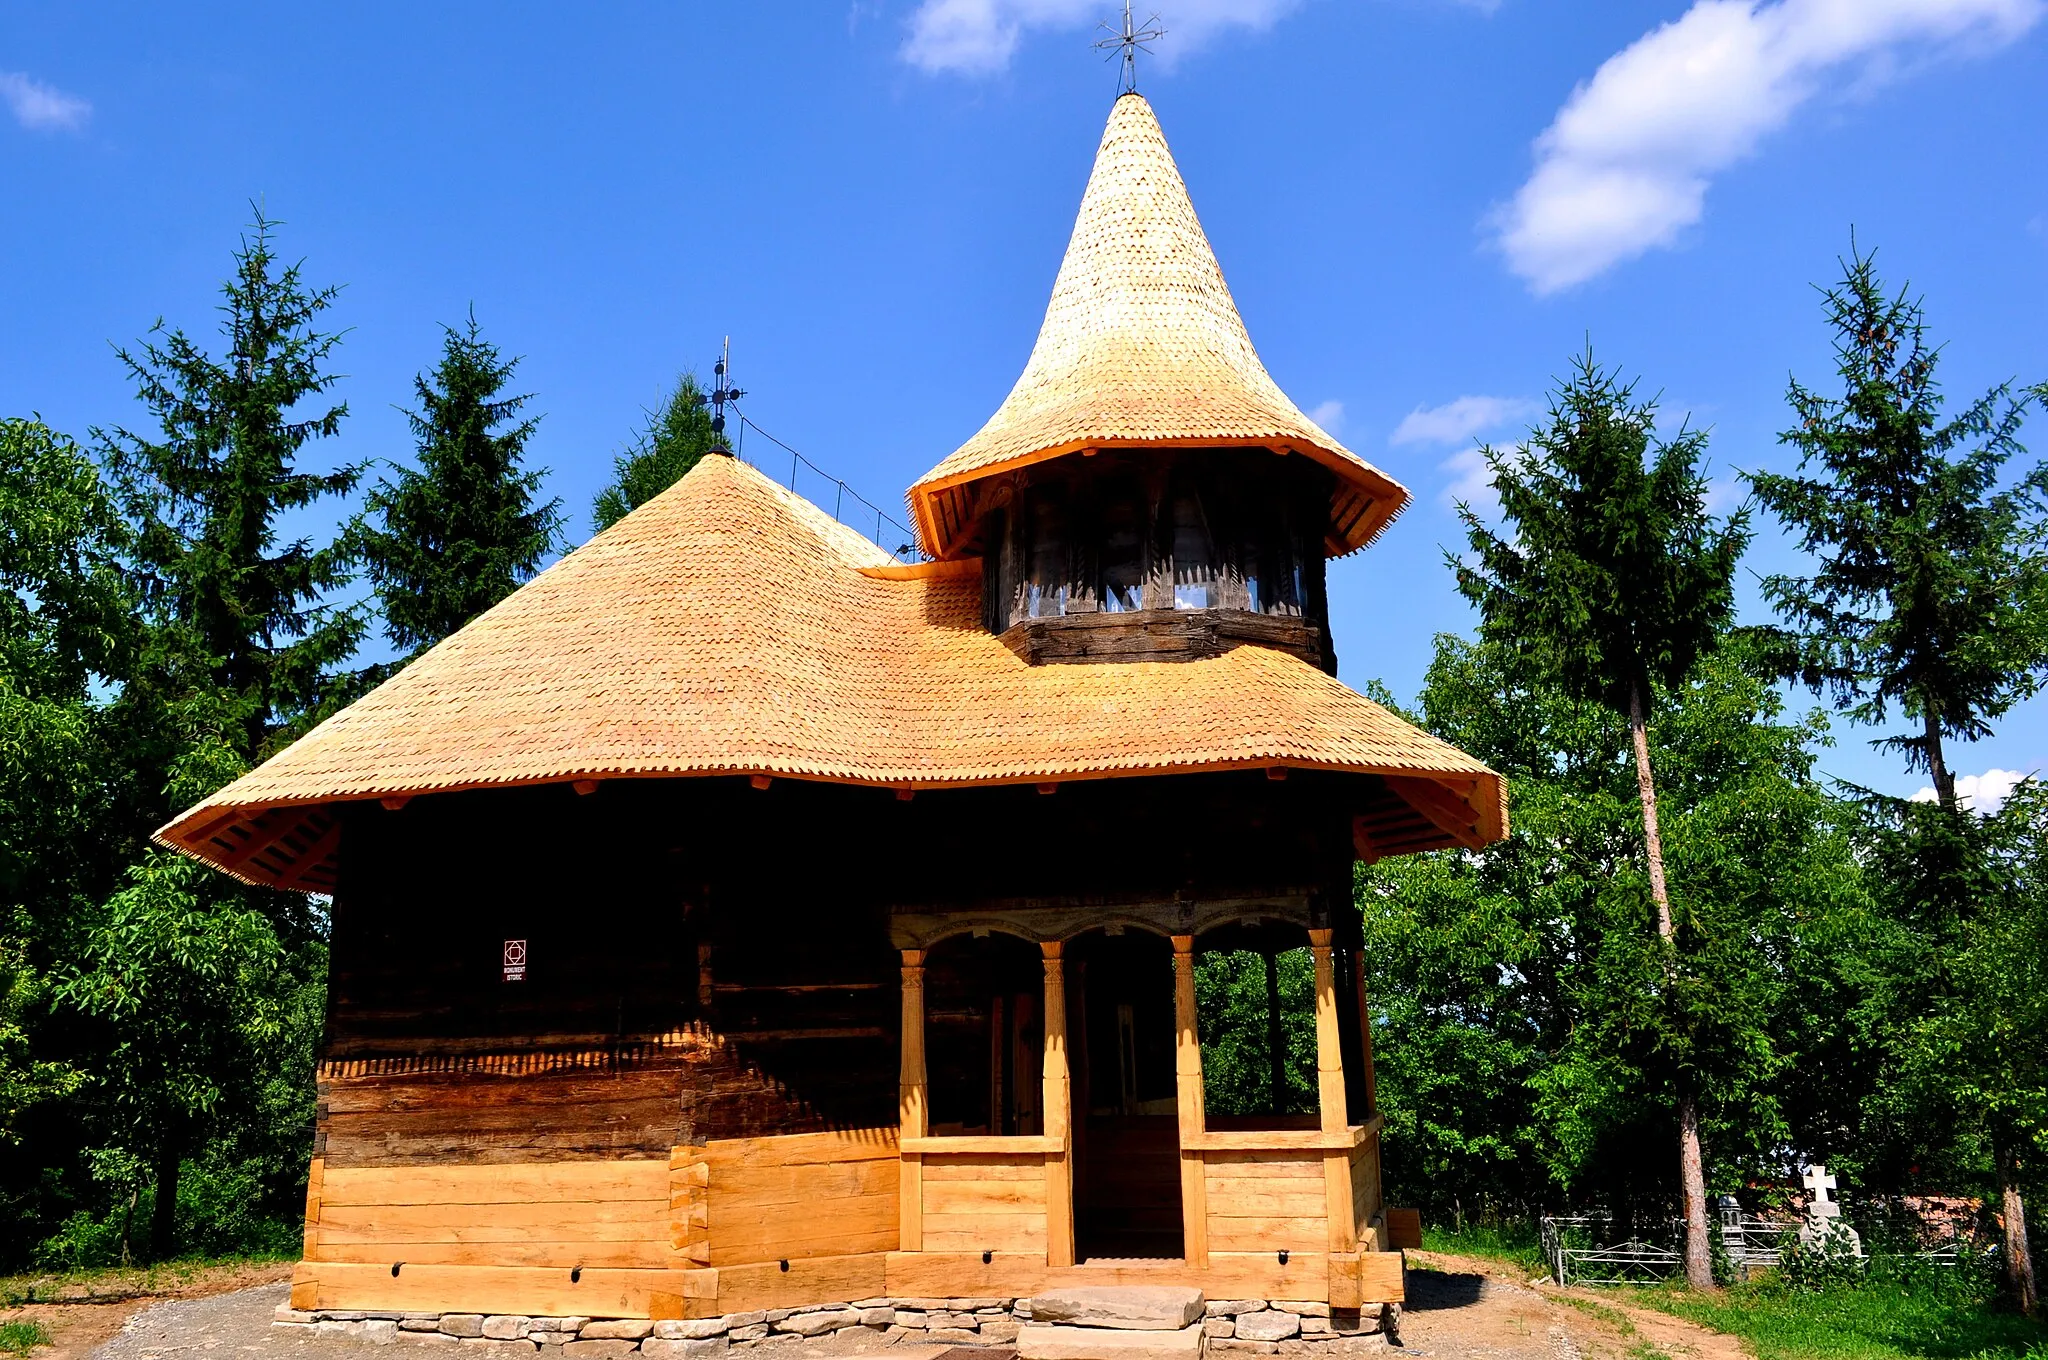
(515,960)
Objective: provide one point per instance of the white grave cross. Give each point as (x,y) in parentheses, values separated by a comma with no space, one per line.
(1818,1183)
(1824,1225)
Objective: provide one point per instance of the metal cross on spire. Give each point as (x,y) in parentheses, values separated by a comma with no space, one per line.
(722,391)
(1128,42)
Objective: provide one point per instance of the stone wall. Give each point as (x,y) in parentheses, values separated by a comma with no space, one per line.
(1242,1326)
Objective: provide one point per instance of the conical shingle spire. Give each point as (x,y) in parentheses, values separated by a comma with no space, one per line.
(1142,345)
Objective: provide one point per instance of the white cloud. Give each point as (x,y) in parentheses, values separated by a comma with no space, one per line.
(1329,415)
(40,107)
(1468,479)
(1984,792)
(978,37)
(1725,495)
(1625,165)
(1454,422)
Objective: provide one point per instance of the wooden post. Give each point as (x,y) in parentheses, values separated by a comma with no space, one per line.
(913,1111)
(1329,1056)
(1187,1071)
(1056,1102)
(1372,1102)
(1330,1096)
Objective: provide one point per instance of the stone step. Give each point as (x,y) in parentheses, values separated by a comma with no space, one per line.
(1131,1307)
(1059,1341)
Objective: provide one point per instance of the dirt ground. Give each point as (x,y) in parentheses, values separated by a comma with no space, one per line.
(78,1322)
(1458,1309)
(1462,1307)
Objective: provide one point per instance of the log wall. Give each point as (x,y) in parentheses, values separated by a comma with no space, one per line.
(1262,1201)
(801,1197)
(689,1104)
(603,1214)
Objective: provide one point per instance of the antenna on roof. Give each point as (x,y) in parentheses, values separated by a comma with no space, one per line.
(1127,42)
(722,391)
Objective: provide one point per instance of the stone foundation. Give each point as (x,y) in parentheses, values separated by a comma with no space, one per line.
(1242,1326)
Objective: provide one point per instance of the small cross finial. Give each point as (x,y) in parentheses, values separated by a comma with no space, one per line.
(1127,42)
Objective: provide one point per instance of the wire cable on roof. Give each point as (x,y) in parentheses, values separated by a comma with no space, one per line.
(904,551)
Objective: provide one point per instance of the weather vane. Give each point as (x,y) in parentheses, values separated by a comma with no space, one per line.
(1128,42)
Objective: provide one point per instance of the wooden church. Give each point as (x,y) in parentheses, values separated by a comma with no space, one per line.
(735,919)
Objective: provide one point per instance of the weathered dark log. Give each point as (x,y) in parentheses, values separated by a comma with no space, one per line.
(1161,635)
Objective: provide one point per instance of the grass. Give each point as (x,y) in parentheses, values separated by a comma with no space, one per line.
(113,1283)
(1512,1243)
(1925,1315)
(19,1338)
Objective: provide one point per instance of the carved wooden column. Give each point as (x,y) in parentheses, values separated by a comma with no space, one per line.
(913,1108)
(1058,1102)
(1187,1071)
(1330,1097)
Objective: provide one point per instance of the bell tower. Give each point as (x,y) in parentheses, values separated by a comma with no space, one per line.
(1146,492)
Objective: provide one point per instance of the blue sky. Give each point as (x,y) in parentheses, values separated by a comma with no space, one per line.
(1424,207)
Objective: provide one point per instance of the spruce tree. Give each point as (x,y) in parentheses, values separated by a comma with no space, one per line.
(1616,582)
(196,981)
(461,531)
(678,432)
(240,616)
(1930,594)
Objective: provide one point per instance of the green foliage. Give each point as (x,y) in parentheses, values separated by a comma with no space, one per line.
(66,626)
(1513,1241)
(1972,893)
(1829,1260)
(1931,595)
(1931,592)
(1617,577)
(678,432)
(1528,1033)
(20,1336)
(1237,1025)
(190,1002)
(462,531)
(223,1211)
(245,643)
(1618,583)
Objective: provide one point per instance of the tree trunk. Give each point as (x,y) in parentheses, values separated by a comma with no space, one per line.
(1646,789)
(2019,1260)
(1692,1180)
(1692,1175)
(1937,764)
(1276,1040)
(163,1218)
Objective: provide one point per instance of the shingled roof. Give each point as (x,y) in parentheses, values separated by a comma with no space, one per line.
(1142,346)
(729,627)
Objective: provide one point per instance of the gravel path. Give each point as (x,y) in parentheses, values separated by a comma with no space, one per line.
(1458,1309)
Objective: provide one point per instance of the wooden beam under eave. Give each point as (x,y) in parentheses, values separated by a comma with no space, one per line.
(1422,837)
(310,859)
(261,838)
(1362,843)
(1445,810)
